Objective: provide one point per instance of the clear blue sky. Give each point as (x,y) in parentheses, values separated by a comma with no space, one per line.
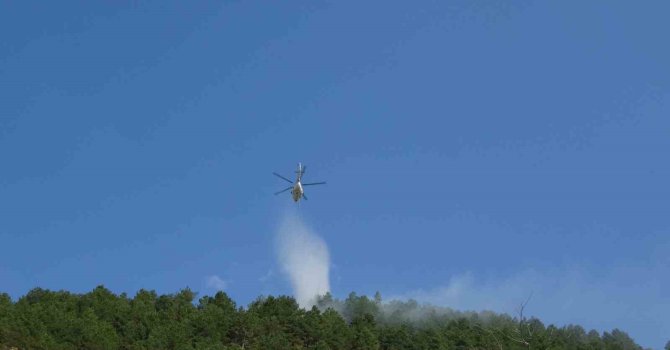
(474,151)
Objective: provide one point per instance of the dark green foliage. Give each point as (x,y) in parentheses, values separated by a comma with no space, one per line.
(100,319)
(213,322)
(364,333)
(619,340)
(5,318)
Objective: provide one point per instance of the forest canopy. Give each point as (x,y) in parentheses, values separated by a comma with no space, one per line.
(100,319)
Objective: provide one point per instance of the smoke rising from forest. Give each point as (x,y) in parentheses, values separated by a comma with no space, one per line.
(304,258)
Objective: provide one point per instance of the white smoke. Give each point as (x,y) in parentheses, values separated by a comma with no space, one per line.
(304,258)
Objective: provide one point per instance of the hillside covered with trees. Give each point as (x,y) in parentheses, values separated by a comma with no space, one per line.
(100,319)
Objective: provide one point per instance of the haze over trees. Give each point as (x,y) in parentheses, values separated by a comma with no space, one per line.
(100,319)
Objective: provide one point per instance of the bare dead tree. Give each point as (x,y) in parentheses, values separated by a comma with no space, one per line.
(519,336)
(523,307)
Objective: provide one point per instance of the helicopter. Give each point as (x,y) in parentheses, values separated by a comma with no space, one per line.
(297,192)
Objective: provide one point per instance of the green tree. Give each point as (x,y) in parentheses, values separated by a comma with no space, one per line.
(618,340)
(175,313)
(49,320)
(396,337)
(214,321)
(326,330)
(109,308)
(6,308)
(363,333)
(429,339)
(95,333)
(245,328)
(355,307)
(281,321)
(142,319)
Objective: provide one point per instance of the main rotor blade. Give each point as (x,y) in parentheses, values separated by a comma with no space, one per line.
(282,177)
(303,196)
(314,183)
(284,190)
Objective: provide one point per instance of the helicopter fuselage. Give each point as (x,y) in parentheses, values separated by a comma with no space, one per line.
(297,191)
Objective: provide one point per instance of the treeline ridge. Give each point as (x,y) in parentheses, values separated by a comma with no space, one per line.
(100,319)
